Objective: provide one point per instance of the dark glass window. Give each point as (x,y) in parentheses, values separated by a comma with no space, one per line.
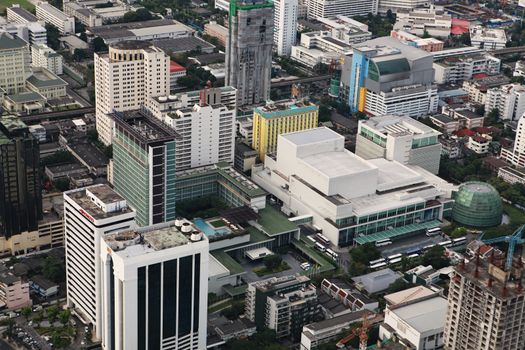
(169,323)
(196,291)
(154,306)
(186,274)
(141,308)
(111,304)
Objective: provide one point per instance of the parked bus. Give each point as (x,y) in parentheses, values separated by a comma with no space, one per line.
(320,247)
(427,247)
(393,257)
(332,254)
(375,262)
(447,243)
(378,266)
(322,239)
(459,241)
(395,261)
(383,242)
(433,231)
(311,239)
(412,256)
(413,251)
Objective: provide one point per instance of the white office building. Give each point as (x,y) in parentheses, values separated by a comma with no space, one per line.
(487,38)
(125,77)
(453,70)
(411,100)
(420,20)
(15,61)
(46,57)
(285,26)
(320,47)
(332,8)
(207,135)
(508,99)
(352,200)
(32,32)
(51,15)
(516,155)
(89,214)
(398,138)
(155,288)
(397,6)
(346,29)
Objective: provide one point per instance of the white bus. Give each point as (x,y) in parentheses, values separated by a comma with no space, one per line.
(433,231)
(459,241)
(320,247)
(383,242)
(393,257)
(412,256)
(395,261)
(322,239)
(427,247)
(377,261)
(311,239)
(447,243)
(332,254)
(378,266)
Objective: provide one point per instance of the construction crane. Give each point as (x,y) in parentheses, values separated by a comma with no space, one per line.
(361,332)
(512,240)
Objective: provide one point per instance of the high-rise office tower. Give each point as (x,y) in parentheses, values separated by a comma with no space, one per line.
(285,26)
(486,307)
(278,118)
(516,155)
(144,166)
(90,213)
(20,190)
(249,50)
(389,77)
(15,63)
(155,288)
(125,77)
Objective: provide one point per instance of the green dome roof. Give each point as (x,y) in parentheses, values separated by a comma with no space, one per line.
(477,204)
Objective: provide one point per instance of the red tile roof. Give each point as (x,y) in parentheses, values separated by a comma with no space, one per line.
(175,67)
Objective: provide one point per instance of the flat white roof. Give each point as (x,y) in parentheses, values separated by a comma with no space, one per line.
(311,136)
(216,268)
(393,174)
(337,164)
(408,295)
(258,253)
(425,315)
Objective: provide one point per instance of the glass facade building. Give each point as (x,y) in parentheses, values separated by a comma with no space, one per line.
(477,204)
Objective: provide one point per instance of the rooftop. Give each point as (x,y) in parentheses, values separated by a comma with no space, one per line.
(398,126)
(26,97)
(183,44)
(103,193)
(391,46)
(131,45)
(425,315)
(53,10)
(123,30)
(8,42)
(274,222)
(341,321)
(22,12)
(12,122)
(277,283)
(147,129)
(409,295)
(284,108)
(42,78)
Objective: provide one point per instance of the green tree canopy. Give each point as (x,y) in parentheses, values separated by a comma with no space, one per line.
(365,253)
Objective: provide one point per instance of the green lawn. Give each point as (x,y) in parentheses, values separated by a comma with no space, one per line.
(218,223)
(24,3)
(263,271)
(517,218)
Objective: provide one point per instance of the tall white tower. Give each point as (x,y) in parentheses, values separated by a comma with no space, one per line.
(155,288)
(90,213)
(285,26)
(125,77)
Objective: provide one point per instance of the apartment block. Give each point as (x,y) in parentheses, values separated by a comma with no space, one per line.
(144,158)
(154,285)
(89,214)
(278,118)
(284,304)
(18,14)
(125,77)
(456,69)
(487,38)
(15,61)
(348,8)
(45,57)
(417,21)
(14,293)
(320,47)
(486,307)
(516,155)
(32,32)
(427,44)
(51,15)
(508,99)
(402,139)
(249,50)
(477,88)
(285,26)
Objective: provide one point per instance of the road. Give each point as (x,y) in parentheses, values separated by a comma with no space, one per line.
(22,323)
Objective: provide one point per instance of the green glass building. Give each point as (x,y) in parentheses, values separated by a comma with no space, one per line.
(144,166)
(477,204)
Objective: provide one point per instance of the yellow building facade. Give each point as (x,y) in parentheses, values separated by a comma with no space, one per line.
(278,118)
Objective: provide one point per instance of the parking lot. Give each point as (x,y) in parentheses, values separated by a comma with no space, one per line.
(405,244)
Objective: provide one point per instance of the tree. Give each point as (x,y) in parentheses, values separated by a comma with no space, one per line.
(26,312)
(80,54)
(52,313)
(426,35)
(53,269)
(357,268)
(324,113)
(492,117)
(398,285)
(53,35)
(272,262)
(365,253)
(99,45)
(233,312)
(64,316)
(480,110)
(458,232)
(435,257)
(137,16)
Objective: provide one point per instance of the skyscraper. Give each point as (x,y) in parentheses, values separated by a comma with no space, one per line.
(20,190)
(125,77)
(285,26)
(516,155)
(89,214)
(249,50)
(155,288)
(486,307)
(144,166)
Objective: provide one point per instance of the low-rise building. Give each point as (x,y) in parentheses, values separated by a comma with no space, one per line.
(94,12)
(519,69)
(512,175)
(345,29)
(51,15)
(176,71)
(230,329)
(376,281)
(487,38)
(46,84)
(320,47)
(416,320)
(18,14)
(14,293)
(245,157)
(43,287)
(61,171)
(215,30)
(446,124)
(477,88)
(435,22)
(45,57)
(427,44)
(28,102)
(455,69)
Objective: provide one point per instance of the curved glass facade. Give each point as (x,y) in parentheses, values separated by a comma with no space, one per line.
(477,204)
